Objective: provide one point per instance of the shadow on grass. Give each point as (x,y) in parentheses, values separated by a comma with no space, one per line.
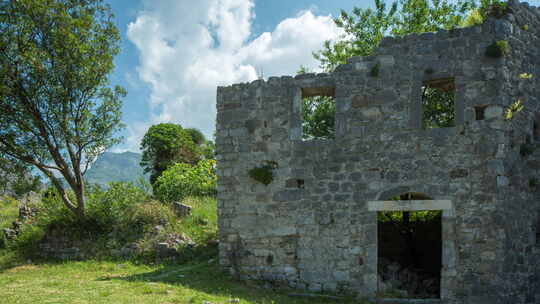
(209,278)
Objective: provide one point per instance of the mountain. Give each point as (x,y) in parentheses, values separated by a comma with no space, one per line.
(115,167)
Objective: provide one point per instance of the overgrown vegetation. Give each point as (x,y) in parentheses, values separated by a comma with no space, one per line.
(123,215)
(182,180)
(498,49)
(263,173)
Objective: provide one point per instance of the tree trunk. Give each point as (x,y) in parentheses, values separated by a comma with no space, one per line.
(81,203)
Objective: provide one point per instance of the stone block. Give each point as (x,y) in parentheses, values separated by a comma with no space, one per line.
(493,111)
(181,210)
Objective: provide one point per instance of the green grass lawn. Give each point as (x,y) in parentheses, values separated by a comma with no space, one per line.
(114,282)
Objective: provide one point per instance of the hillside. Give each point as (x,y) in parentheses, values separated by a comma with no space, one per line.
(115,167)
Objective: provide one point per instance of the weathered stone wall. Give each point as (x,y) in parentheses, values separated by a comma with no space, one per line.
(520,207)
(319,234)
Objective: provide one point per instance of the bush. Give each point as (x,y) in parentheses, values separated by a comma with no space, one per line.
(107,206)
(182,180)
(498,49)
(141,217)
(104,210)
(263,174)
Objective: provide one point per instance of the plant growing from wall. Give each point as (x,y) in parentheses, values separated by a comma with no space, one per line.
(375,70)
(512,109)
(264,174)
(498,49)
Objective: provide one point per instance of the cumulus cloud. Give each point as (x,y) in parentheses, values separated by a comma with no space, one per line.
(188,48)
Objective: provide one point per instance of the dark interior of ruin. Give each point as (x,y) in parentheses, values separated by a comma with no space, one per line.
(409,252)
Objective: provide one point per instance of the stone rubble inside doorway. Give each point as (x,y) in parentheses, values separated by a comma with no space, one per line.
(406,282)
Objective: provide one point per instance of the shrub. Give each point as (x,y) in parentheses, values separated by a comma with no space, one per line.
(263,174)
(498,49)
(141,217)
(104,211)
(107,206)
(182,180)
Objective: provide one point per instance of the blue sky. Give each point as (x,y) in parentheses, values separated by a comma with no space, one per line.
(176,52)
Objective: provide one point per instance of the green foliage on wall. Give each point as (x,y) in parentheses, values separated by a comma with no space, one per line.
(264,173)
(498,49)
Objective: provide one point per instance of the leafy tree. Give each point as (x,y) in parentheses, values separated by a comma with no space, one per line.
(16,178)
(206,147)
(58,112)
(183,180)
(196,135)
(165,144)
(208,150)
(438,108)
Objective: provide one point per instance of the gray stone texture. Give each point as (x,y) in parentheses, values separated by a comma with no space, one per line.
(321,236)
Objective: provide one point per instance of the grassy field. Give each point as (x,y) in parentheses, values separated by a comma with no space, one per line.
(113,282)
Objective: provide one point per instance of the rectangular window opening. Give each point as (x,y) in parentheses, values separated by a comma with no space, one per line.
(438,107)
(318,113)
(479,112)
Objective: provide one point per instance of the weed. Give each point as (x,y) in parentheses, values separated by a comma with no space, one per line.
(264,173)
(498,49)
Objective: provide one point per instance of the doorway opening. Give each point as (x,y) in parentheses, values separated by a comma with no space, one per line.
(409,250)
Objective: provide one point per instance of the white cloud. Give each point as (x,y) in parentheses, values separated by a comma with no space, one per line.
(188,48)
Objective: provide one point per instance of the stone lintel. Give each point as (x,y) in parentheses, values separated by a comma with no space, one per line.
(409,205)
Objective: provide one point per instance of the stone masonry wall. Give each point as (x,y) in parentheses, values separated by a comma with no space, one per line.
(319,235)
(520,207)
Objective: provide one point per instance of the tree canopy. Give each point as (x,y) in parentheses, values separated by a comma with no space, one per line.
(58,111)
(165,144)
(16,178)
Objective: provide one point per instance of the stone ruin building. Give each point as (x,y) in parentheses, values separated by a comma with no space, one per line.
(315,225)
